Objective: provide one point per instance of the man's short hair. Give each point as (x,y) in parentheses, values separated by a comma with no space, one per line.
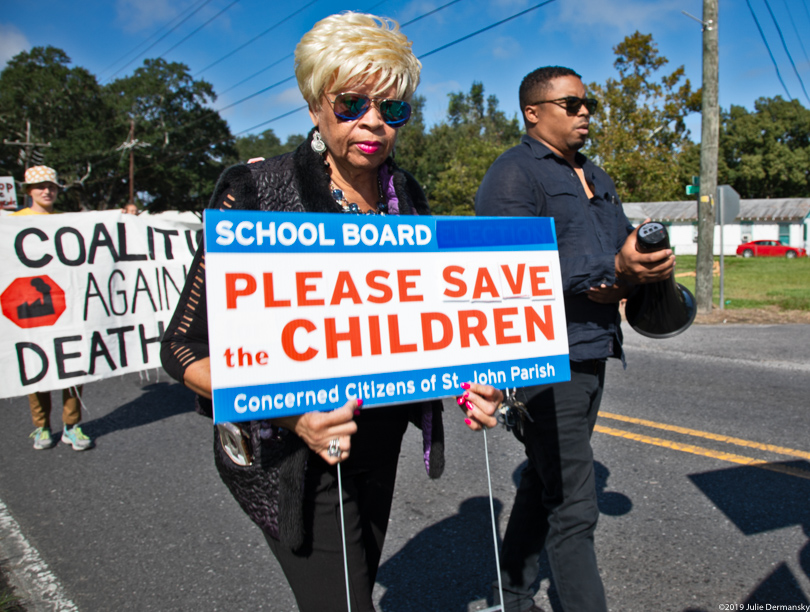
(537,82)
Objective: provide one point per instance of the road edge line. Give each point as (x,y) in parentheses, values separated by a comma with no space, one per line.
(38,588)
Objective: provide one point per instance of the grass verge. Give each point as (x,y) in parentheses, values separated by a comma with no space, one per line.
(756,283)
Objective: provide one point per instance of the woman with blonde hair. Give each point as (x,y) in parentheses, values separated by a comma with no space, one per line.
(357,73)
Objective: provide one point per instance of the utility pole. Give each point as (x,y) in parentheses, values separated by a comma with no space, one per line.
(129,145)
(131,162)
(27,145)
(710,136)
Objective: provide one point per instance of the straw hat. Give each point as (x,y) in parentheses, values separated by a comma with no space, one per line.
(40,174)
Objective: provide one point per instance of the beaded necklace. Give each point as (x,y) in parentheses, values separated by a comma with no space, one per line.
(354,209)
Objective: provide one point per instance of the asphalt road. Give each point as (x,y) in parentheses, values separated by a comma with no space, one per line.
(702,457)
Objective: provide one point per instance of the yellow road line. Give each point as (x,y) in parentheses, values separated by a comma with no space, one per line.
(710,436)
(705,452)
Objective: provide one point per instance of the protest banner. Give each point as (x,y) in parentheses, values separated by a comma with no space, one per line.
(86,296)
(306,312)
(8,193)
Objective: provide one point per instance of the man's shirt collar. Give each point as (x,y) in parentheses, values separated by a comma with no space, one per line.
(540,151)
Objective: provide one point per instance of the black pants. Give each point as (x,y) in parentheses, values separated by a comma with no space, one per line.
(555,505)
(315,571)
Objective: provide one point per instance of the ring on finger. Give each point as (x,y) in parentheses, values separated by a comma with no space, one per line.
(334,448)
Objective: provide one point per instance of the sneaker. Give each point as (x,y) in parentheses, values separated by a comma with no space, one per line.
(42,438)
(75,436)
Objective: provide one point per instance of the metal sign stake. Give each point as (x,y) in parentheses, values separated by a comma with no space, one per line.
(343,536)
(494,530)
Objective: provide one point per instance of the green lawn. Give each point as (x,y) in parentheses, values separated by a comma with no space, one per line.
(757,282)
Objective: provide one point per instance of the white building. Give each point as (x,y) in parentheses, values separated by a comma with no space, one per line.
(783,219)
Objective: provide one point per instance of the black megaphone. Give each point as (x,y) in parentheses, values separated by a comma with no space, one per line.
(663,309)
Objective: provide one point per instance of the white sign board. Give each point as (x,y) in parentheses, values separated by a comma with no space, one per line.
(8,193)
(308,311)
(86,296)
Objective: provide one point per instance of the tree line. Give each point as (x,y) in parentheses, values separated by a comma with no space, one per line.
(181,145)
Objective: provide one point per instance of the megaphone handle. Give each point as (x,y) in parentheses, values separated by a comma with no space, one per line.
(651,236)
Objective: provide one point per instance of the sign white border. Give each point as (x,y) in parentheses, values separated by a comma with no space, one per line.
(309,311)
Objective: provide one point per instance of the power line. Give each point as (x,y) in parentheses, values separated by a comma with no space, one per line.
(158,40)
(796,31)
(444,6)
(489,27)
(253,95)
(784,45)
(300,108)
(455,42)
(200,28)
(419,57)
(287,114)
(806,10)
(274,26)
(258,36)
(146,40)
(764,40)
(255,74)
(277,62)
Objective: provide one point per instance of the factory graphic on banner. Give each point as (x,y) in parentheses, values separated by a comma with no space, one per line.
(33,301)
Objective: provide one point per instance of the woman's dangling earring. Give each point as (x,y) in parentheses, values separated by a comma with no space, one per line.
(317,144)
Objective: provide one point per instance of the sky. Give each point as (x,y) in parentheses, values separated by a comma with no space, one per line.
(103,36)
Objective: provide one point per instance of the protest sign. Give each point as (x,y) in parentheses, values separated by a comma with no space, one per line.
(8,193)
(86,296)
(306,312)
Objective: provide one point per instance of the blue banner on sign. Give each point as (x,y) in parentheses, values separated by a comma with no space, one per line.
(284,399)
(275,232)
(496,233)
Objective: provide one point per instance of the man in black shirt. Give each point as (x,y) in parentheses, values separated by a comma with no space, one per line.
(545,175)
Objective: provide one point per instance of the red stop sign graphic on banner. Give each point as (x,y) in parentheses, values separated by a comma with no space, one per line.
(33,301)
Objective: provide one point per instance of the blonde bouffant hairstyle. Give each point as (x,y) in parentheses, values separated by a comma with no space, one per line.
(350,48)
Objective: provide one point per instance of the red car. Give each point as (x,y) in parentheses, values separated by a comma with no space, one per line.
(769,248)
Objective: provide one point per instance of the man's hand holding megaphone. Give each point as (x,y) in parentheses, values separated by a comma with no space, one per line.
(639,267)
(634,267)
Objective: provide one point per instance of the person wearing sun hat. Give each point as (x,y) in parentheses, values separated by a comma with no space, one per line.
(42,184)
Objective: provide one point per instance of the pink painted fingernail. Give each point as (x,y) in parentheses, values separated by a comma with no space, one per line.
(465,385)
(359,402)
(460,401)
(468,421)
(469,406)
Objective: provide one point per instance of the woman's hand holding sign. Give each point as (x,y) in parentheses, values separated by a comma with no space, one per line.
(480,402)
(327,433)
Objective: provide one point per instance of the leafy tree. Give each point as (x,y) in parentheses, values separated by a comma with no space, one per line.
(266,145)
(478,133)
(638,132)
(765,153)
(458,183)
(451,159)
(183,144)
(412,142)
(66,107)
(186,144)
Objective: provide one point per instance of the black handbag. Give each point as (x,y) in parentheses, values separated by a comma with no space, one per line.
(270,489)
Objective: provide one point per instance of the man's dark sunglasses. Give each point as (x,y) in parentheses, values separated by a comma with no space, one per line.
(351,106)
(572,104)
